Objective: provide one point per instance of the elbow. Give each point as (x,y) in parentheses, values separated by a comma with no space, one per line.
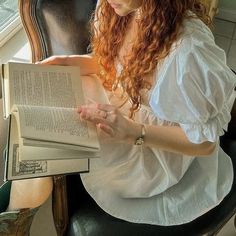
(205,149)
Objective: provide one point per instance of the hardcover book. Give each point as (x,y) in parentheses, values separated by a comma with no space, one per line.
(46,136)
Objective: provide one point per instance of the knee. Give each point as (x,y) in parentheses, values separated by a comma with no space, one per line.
(30,193)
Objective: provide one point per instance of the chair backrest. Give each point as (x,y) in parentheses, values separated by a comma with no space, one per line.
(56,27)
(231,133)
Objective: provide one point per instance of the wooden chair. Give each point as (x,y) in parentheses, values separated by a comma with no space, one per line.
(57,27)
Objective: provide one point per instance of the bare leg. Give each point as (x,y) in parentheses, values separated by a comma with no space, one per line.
(24,194)
(29,193)
(25,198)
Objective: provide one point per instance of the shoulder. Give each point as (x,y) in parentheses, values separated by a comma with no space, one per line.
(193,27)
(196,51)
(195,45)
(195,37)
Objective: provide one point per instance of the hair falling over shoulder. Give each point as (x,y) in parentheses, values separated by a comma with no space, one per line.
(159,27)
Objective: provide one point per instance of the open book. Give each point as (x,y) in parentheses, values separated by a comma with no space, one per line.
(46,135)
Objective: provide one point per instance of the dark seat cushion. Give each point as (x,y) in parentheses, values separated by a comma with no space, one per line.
(87,218)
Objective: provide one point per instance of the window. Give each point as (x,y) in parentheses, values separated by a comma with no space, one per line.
(9,19)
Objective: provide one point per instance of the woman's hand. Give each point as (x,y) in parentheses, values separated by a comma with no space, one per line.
(87,63)
(109,119)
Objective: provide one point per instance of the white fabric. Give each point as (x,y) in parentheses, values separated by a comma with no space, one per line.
(194,89)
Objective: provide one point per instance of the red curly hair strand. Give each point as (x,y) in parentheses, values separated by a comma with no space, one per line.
(159,27)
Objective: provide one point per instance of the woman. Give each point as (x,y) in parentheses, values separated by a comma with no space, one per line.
(170,91)
(170,94)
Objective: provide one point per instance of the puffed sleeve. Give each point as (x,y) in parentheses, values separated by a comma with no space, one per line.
(195,88)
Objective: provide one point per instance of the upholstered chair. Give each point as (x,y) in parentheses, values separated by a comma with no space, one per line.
(57,27)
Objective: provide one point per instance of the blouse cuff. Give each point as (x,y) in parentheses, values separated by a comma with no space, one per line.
(209,131)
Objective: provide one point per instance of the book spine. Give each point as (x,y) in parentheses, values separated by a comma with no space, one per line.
(6,151)
(2,75)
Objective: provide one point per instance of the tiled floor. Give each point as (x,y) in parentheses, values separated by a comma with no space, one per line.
(225,36)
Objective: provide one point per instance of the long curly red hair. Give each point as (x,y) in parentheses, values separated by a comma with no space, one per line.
(159,27)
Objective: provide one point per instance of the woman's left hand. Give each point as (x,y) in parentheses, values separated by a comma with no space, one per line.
(109,119)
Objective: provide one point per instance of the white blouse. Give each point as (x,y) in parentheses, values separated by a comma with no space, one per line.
(194,89)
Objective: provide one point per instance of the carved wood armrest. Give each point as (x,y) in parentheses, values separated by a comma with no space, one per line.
(59,206)
(27,11)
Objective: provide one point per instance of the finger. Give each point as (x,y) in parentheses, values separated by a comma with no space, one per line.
(92,110)
(47,61)
(107,129)
(93,117)
(106,107)
(84,109)
(79,109)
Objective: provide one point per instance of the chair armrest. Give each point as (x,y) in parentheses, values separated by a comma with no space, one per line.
(59,205)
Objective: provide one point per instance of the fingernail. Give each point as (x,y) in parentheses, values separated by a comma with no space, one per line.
(84,115)
(79,109)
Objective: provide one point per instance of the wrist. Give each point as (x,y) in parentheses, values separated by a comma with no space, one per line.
(140,139)
(137,134)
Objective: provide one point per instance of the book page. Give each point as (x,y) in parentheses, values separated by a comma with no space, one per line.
(42,85)
(42,153)
(17,169)
(5,90)
(38,86)
(61,125)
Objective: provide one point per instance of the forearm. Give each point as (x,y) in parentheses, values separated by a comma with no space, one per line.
(173,139)
(87,63)
(169,138)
